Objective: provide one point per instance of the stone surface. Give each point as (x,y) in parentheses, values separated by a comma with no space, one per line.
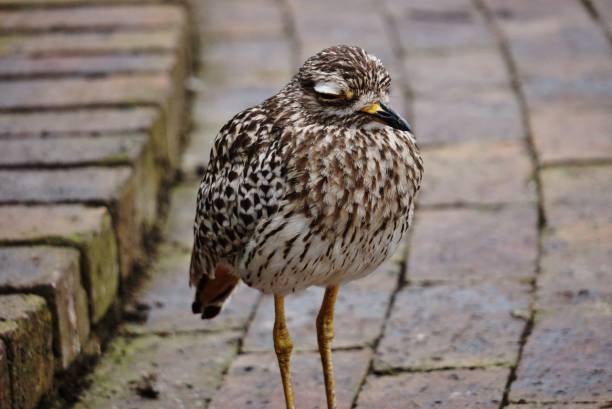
(100,18)
(253,381)
(178,229)
(566,133)
(5,381)
(423,28)
(459,244)
(149,89)
(576,265)
(467,325)
(54,274)
(453,73)
(493,115)
(169,298)
(556,406)
(77,122)
(87,228)
(567,357)
(453,389)
(577,194)
(26,330)
(479,173)
(185,369)
(360,312)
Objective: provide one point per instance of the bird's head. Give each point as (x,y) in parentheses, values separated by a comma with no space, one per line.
(344,85)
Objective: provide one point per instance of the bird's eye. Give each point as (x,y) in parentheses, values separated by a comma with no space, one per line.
(329,97)
(330,92)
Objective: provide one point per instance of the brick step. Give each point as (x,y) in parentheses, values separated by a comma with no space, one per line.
(90,122)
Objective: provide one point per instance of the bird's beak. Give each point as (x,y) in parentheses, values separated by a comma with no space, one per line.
(387,116)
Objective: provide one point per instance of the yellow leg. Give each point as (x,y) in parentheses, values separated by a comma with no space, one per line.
(283,347)
(325,334)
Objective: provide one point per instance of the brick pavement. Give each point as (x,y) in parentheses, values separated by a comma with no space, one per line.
(500,298)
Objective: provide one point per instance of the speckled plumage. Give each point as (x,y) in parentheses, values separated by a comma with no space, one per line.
(303,191)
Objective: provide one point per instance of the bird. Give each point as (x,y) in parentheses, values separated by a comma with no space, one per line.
(315,186)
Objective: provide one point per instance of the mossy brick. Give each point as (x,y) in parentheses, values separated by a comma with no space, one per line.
(157,40)
(253,380)
(188,368)
(117,187)
(20,66)
(27,332)
(54,274)
(454,326)
(87,228)
(449,389)
(92,17)
(503,176)
(77,122)
(5,381)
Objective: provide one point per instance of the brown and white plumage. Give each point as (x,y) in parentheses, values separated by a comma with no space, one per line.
(306,188)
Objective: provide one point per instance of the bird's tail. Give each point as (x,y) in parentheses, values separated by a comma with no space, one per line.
(211,291)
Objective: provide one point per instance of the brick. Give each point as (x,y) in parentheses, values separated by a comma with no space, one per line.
(125,90)
(577,194)
(116,187)
(54,274)
(129,149)
(228,102)
(254,381)
(453,326)
(478,173)
(94,122)
(188,369)
(77,122)
(556,126)
(465,72)
(575,265)
(493,244)
(158,40)
(5,382)
(71,151)
(27,66)
(178,229)
(319,28)
(242,20)
(478,389)
(87,228)
(492,115)
(427,29)
(360,313)
(26,330)
(169,298)
(238,64)
(89,18)
(567,357)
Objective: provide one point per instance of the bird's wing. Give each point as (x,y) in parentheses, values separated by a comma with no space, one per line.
(242,185)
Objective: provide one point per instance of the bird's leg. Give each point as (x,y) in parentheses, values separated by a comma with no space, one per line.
(325,334)
(283,347)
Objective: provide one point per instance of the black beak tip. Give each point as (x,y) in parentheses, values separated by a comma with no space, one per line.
(211,311)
